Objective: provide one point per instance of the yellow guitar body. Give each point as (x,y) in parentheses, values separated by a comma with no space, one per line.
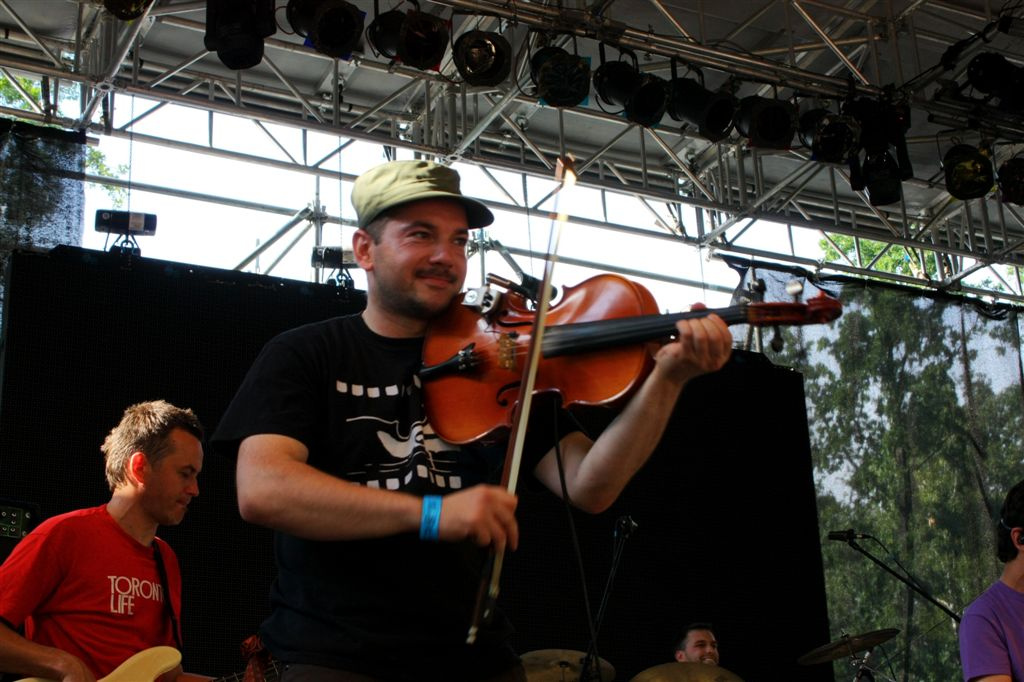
(145,666)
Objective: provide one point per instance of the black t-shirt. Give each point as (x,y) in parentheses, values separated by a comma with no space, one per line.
(396,607)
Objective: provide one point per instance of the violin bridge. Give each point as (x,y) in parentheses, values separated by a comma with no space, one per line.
(507,351)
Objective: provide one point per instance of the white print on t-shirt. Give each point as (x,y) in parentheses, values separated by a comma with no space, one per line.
(418,453)
(361,391)
(124,590)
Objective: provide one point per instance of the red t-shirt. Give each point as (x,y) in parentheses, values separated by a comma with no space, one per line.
(80,583)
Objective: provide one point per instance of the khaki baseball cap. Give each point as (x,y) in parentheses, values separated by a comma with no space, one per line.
(400,182)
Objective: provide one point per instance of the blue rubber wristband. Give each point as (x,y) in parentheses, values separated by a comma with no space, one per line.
(430,520)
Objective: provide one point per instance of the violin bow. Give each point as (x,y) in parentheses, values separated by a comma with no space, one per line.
(487,595)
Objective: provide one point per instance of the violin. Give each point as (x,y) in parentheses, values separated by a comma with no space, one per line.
(596,348)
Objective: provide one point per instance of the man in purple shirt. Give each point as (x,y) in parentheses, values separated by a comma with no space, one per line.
(992,629)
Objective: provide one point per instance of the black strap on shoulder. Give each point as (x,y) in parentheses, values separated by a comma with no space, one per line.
(168,601)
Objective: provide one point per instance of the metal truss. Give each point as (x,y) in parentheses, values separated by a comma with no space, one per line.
(710,196)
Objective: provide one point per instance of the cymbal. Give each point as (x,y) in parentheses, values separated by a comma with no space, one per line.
(847,645)
(560,665)
(686,672)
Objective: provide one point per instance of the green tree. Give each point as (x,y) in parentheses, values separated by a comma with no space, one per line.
(886,258)
(95,160)
(914,404)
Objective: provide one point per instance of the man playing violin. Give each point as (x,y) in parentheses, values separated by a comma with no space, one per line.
(382,527)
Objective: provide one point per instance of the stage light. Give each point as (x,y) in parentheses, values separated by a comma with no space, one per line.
(483,58)
(385,33)
(882,178)
(643,97)
(414,38)
(616,81)
(968,172)
(990,72)
(883,123)
(897,121)
(424,40)
(333,27)
(711,112)
(832,138)
(766,122)
(648,102)
(126,10)
(235,30)
(562,79)
(332,257)
(338,260)
(1011,180)
(128,226)
(869,114)
(1011,25)
(993,74)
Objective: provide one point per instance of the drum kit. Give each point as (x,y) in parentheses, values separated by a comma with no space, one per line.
(566,665)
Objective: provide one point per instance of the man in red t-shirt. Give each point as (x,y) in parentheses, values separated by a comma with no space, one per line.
(90,588)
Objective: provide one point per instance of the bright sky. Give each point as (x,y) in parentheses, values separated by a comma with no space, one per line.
(205,233)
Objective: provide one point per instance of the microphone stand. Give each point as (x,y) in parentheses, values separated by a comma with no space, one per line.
(591,668)
(529,286)
(909,582)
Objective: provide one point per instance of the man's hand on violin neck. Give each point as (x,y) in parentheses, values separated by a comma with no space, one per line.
(485,514)
(703,345)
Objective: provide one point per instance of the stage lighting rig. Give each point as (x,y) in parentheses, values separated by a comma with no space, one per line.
(127,10)
(415,38)
(992,74)
(642,96)
(615,81)
(332,27)
(831,137)
(1011,180)
(689,101)
(768,123)
(968,171)
(882,178)
(235,30)
(482,57)
(883,124)
(562,79)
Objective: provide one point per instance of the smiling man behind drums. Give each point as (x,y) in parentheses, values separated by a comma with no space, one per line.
(698,645)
